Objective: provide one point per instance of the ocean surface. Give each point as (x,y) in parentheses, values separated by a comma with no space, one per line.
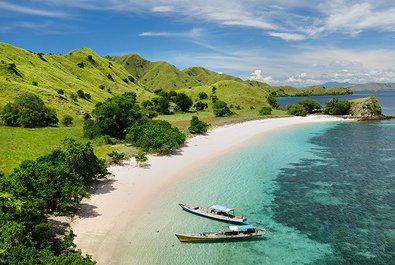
(325,193)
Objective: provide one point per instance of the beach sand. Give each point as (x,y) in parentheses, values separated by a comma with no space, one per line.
(116,201)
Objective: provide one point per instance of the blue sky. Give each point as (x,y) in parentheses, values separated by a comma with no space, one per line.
(287,42)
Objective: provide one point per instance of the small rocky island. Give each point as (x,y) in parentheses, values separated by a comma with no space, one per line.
(367,109)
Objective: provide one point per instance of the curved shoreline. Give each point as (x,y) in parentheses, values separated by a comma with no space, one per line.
(117,201)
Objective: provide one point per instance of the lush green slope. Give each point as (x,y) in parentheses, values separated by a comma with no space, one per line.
(22,71)
(207,77)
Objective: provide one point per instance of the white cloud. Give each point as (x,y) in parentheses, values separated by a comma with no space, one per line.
(30,10)
(287,36)
(257,76)
(193,33)
(162,9)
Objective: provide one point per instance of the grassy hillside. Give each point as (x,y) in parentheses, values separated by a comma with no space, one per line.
(207,77)
(22,71)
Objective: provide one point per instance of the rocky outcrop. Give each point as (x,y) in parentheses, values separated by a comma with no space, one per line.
(367,109)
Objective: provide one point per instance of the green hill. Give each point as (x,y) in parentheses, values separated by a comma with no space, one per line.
(22,71)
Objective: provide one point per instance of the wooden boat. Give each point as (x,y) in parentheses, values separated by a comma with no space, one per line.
(232,233)
(217,212)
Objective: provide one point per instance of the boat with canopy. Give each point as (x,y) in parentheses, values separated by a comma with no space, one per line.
(217,212)
(230,233)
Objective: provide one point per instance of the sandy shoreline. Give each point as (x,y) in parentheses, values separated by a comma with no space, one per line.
(118,200)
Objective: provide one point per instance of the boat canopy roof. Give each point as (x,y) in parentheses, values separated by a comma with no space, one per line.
(241,227)
(220,208)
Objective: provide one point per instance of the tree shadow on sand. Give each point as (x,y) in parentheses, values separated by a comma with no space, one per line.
(87,211)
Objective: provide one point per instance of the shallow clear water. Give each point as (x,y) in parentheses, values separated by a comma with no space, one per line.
(325,193)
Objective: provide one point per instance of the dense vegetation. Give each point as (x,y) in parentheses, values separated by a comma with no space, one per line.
(337,107)
(54,183)
(28,111)
(113,116)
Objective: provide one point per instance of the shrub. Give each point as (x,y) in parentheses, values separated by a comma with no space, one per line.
(183,102)
(81,93)
(337,107)
(60,91)
(67,120)
(265,111)
(202,95)
(296,110)
(116,157)
(200,106)
(28,111)
(221,109)
(162,104)
(155,136)
(197,126)
(141,157)
(310,105)
(81,65)
(102,87)
(34,83)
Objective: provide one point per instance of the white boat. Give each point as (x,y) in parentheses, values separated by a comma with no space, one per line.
(217,212)
(233,233)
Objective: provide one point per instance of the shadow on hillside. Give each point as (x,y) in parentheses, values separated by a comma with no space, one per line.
(87,211)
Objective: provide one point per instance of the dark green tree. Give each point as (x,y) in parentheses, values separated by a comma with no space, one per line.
(265,111)
(67,120)
(155,136)
(202,95)
(337,107)
(197,126)
(310,105)
(113,116)
(221,109)
(28,111)
(183,102)
(296,110)
(199,106)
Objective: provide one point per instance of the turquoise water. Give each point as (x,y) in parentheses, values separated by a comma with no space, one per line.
(325,192)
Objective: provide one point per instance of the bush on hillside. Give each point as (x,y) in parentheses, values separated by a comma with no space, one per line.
(67,120)
(183,102)
(28,111)
(202,95)
(221,109)
(310,105)
(116,157)
(113,116)
(296,110)
(155,136)
(265,111)
(197,126)
(337,107)
(199,106)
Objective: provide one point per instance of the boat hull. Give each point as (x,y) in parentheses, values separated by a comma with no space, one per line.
(213,237)
(204,212)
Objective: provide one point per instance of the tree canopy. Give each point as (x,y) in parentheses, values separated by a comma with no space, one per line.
(183,102)
(310,105)
(337,107)
(113,116)
(155,136)
(221,109)
(28,111)
(197,126)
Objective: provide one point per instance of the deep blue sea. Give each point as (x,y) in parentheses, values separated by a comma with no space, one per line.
(325,192)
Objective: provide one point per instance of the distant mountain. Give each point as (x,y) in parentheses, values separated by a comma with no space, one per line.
(334,84)
(372,86)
